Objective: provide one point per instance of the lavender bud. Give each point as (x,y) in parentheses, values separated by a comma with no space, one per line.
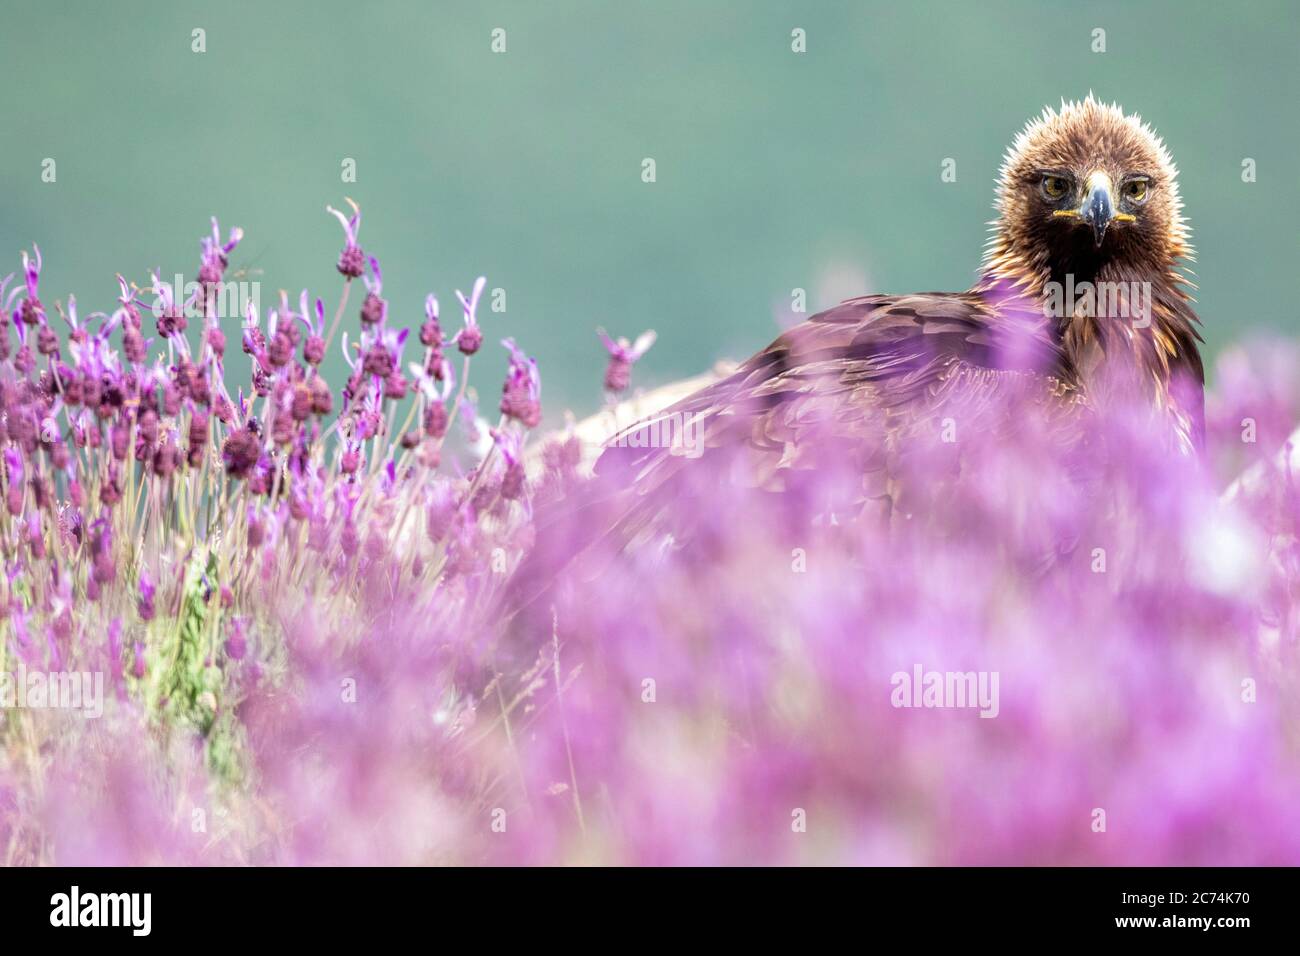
(164,460)
(395,386)
(241,451)
(31,312)
(372,309)
(133,345)
(378,361)
(110,492)
(435,419)
(282,429)
(322,402)
(352,261)
(148,426)
(517,402)
(35,538)
(470,339)
(47,341)
(91,389)
(217,341)
(618,374)
(280,352)
(253,342)
(24,361)
(300,408)
(313,350)
(512,483)
(198,437)
(224,411)
(119,435)
(172,322)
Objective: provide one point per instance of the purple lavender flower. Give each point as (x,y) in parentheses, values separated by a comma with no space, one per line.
(169,312)
(31,312)
(198,436)
(622,356)
(256,529)
(470,338)
(35,536)
(384,359)
(237,643)
(375,308)
(14,469)
(395,386)
(435,389)
(134,346)
(522,391)
(313,349)
(512,482)
(216,340)
(145,603)
(378,361)
(252,339)
(138,668)
(164,456)
(351,461)
(241,452)
(352,261)
(216,255)
(322,400)
(430,330)
(280,348)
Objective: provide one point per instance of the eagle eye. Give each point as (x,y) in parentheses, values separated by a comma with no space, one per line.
(1055,187)
(1135,191)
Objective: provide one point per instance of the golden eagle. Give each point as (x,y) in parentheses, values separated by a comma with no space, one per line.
(1080,308)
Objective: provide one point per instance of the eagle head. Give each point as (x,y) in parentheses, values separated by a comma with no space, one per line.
(1087,190)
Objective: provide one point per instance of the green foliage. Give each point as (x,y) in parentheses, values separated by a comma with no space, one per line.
(191,686)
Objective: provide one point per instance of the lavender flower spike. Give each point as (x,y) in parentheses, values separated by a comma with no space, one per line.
(622,356)
(522,392)
(374,309)
(470,338)
(134,347)
(146,602)
(313,349)
(216,254)
(32,312)
(352,261)
(169,312)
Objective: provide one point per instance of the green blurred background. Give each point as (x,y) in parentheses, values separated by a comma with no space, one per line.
(775,170)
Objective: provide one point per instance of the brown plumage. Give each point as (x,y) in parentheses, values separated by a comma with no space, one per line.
(1086,195)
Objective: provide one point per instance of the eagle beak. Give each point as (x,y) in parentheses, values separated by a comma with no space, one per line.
(1098,208)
